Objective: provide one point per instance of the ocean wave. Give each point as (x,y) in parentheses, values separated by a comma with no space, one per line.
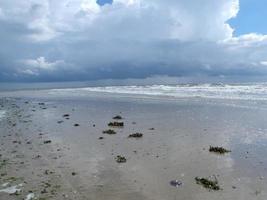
(217,91)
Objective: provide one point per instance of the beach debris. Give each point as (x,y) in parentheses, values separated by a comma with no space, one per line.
(76,125)
(208,183)
(136,135)
(101,138)
(30,196)
(47,141)
(109,132)
(120,159)
(219,150)
(176,183)
(60,122)
(12,190)
(116,124)
(66,115)
(118,117)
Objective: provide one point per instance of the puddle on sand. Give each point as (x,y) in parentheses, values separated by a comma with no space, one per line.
(12,189)
(30,196)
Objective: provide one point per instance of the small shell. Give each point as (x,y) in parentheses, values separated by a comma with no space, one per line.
(176,183)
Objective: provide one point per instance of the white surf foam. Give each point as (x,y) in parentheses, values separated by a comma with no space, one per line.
(252,92)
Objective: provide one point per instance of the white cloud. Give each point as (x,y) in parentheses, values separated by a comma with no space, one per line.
(28,72)
(263,63)
(35,66)
(247,40)
(152,36)
(41,63)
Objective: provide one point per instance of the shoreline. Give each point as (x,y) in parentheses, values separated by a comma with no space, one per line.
(76,164)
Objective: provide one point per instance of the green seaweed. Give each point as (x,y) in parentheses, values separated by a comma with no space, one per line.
(136,135)
(118,117)
(116,124)
(219,150)
(207,183)
(109,132)
(120,159)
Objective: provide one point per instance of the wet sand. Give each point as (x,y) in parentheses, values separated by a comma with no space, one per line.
(177,134)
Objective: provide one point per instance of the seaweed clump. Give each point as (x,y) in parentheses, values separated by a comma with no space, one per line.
(207,183)
(120,159)
(109,132)
(118,117)
(219,150)
(136,135)
(116,124)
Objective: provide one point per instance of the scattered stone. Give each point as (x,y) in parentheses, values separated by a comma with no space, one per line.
(116,124)
(47,141)
(66,115)
(101,138)
(109,132)
(257,192)
(36,157)
(60,122)
(44,191)
(47,172)
(120,159)
(76,125)
(136,135)
(151,129)
(207,183)
(219,150)
(73,173)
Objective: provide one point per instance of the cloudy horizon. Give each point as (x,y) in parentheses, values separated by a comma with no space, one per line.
(74,40)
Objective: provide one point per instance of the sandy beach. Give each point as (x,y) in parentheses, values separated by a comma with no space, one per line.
(53,147)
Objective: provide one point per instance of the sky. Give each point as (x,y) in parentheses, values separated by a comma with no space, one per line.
(76,40)
(251,17)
